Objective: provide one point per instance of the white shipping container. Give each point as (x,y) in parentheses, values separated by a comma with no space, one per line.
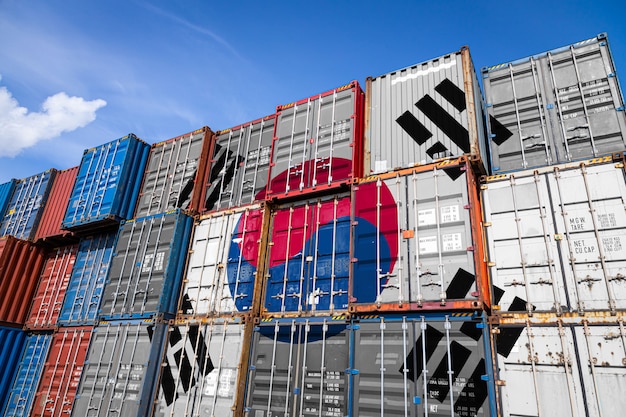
(564,370)
(556,238)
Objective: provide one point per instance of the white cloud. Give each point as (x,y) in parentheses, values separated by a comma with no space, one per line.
(60,113)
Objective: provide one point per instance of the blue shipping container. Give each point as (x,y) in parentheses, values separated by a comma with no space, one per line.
(22,393)
(26,205)
(6,192)
(108,183)
(121,370)
(11,347)
(147,267)
(84,290)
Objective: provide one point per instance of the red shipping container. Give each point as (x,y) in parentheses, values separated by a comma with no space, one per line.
(318,144)
(49,229)
(50,293)
(62,371)
(20,267)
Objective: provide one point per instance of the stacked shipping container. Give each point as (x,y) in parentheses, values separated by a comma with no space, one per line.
(304,287)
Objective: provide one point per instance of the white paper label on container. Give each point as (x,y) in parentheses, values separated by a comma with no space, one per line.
(450,214)
(451,242)
(380,166)
(146,265)
(428,244)
(210,383)
(426,217)
(225,383)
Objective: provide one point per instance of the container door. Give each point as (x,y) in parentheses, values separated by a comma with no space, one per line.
(539,367)
(309,256)
(298,369)
(603,355)
(589,208)
(523,250)
(24,210)
(201,370)
(420,367)
(587,99)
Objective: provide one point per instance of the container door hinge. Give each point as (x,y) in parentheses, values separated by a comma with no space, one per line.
(352,371)
(353,327)
(417,400)
(484,377)
(500,382)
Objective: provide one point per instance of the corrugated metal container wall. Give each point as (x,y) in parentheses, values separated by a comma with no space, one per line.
(418,240)
(298,368)
(318,143)
(50,293)
(61,372)
(146,270)
(24,210)
(204,369)
(120,374)
(425,112)
(223,263)
(557,238)
(555,107)
(175,174)
(107,184)
(49,229)
(240,162)
(423,365)
(308,257)
(6,192)
(12,342)
(84,290)
(21,263)
(22,393)
(561,369)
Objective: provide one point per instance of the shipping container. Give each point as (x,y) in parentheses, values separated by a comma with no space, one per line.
(21,263)
(29,368)
(425,112)
(318,143)
(83,295)
(204,369)
(221,275)
(121,370)
(50,293)
(12,341)
(49,230)
(6,192)
(556,238)
(418,241)
(61,372)
(299,367)
(23,213)
(422,365)
(146,270)
(240,162)
(107,184)
(560,369)
(308,257)
(175,174)
(555,107)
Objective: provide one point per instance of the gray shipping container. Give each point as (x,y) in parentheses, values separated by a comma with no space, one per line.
(560,369)
(239,165)
(423,365)
(121,370)
(425,112)
(559,106)
(556,238)
(223,263)
(298,368)
(174,173)
(417,241)
(204,368)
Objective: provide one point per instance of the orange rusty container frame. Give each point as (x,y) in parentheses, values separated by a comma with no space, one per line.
(552,319)
(49,231)
(483,283)
(202,171)
(21,263)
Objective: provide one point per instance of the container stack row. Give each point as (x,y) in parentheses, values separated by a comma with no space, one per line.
(417,248)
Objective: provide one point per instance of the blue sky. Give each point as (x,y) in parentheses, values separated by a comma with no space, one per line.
(76,74)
